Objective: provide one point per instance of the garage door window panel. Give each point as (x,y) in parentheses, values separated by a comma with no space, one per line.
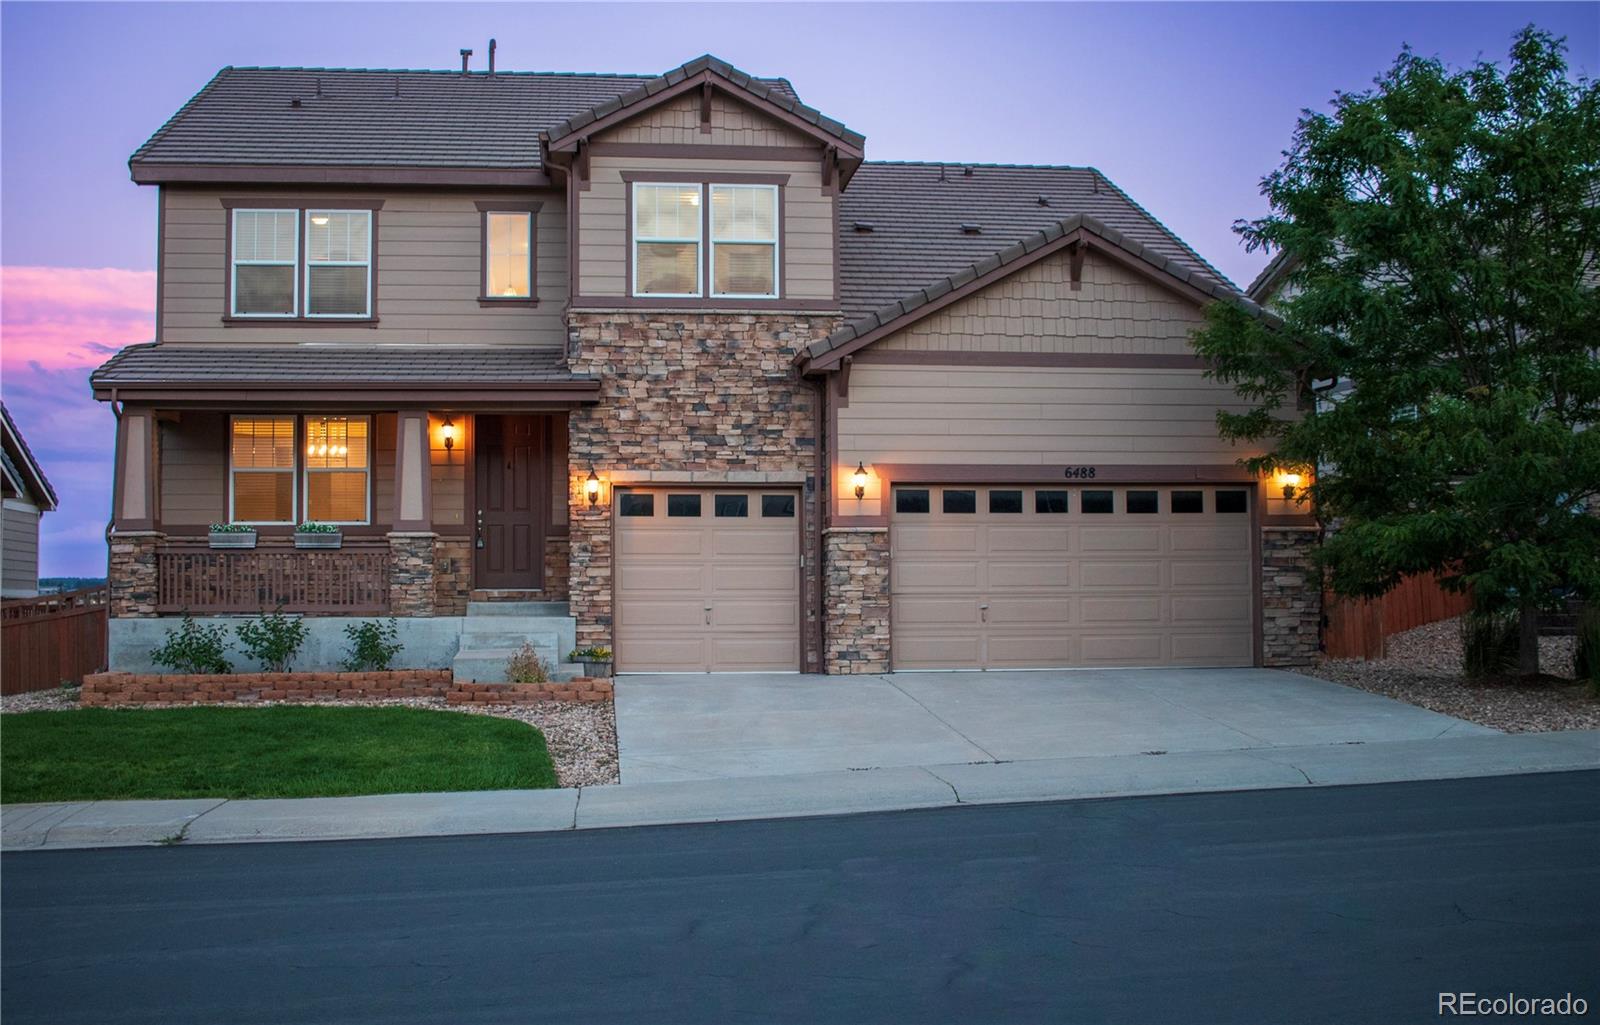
(1188,501)
(731,506)
(1233,501)
(960,502)
(683,505)
(636,505)
(1099,502)
(1005,501)
(1144,502)
(911,500)
(1048,503)
(777,506)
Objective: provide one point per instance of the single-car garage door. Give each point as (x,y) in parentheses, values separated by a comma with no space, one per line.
(707,581)
(1044,577)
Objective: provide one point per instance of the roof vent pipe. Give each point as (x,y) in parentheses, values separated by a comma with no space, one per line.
(492,45)
(466,55)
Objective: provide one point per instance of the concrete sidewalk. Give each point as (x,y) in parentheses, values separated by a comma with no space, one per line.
(132,823)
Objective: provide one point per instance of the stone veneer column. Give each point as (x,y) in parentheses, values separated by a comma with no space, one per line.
(856,598)
(132,573)
(589,565)
(557,568)
(452,575)
(1291,602)
(411,573)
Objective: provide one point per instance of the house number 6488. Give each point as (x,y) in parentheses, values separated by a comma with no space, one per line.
(1084,472)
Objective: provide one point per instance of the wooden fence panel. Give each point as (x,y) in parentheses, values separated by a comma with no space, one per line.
(52,639)
(1358,629)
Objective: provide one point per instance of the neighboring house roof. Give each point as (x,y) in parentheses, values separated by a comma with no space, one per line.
(152,367)
(20,464)
(349,117)
(1265,285)
(646,95)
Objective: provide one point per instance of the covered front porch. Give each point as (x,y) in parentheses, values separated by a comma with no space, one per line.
(437,488)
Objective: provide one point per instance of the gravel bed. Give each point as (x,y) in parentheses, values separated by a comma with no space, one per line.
(1423,668)
(581,737)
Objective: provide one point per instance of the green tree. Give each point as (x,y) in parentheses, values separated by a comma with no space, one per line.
(1444,228)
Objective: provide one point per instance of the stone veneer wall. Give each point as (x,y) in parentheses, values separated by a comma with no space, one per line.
(856,600)
(452,575)
(1291,601)
(557,566)
(688,397)
(411,573)
(132,574)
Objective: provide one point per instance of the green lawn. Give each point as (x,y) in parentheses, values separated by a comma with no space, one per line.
(282,751)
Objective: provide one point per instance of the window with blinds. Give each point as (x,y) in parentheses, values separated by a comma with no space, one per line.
(338,263)
(261,469)
(265,244)
(338,468)
(509,257)
(666,240)
(744,241)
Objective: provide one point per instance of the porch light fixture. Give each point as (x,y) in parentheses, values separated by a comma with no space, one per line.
(448,431)
(859,479)
(591,487)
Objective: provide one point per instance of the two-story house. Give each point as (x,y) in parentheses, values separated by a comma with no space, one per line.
(672,351)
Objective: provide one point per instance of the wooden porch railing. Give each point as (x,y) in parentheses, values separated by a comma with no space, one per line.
(52,639)
(352,581)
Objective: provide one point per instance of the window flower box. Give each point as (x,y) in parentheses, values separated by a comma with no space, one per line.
(318,535)
(232,535)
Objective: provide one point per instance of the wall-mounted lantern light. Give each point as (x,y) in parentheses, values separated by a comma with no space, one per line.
(859,479)
(591,487)
(448,430)
(1288,481)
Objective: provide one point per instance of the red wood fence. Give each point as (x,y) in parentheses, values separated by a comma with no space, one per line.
(1358,629)
(52,639)
(352,581)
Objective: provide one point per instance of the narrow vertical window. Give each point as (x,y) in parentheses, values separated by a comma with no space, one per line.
(261,469)
(508,254)
(666,240)
(338,263)
(265,251)
(744,241)
(338,461)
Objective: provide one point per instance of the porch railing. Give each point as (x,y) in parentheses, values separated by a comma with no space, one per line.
(346,582)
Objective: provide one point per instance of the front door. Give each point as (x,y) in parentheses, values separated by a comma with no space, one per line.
(512,495)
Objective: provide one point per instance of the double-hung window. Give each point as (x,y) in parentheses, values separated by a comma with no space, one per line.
(508,254)
(666,240)
(265,255)
(338,468)
(338,263)
(261,477)
(744,241)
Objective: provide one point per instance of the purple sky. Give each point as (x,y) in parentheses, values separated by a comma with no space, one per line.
(1185,106)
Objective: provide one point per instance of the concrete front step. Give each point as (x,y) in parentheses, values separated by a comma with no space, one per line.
(518,608)
(488,665)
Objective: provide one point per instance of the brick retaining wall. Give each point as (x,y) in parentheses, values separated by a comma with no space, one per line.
(203,688)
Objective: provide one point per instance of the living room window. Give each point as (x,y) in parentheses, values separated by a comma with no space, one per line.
(338,468)
(744,241)
(338,263)
(508,253)
(261,470)
(264,258)
(666,240)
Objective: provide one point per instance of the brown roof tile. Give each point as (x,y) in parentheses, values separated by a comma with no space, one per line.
(183,366)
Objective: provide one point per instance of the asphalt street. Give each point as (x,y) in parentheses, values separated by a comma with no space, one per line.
(1354,904)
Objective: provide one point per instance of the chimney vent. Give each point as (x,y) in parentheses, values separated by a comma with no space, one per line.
(466,55)
(1044,200)
(492,45)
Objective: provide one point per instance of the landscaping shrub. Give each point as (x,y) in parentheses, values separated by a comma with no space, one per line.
(1586,657)
(1489,643)
(373,646)
(527,667)
(193,648)
(273,640)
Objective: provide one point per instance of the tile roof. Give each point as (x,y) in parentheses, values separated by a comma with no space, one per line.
(198,366)
(917,210)
(30,464)
(772,91)
(378,117)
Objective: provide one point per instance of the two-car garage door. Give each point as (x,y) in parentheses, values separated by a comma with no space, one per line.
(1035,577)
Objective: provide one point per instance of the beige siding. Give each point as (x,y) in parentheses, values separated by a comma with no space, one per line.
(449,474)
(429,249)
(732,124)
(194,470)
(808,221)
(1036,310)
(19,550)
(384,427)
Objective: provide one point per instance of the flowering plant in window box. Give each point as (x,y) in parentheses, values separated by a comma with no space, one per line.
(596,661)
(232,535)
(318,535)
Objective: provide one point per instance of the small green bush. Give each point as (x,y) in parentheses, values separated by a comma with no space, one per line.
(527,667)
(1586,657)
(193,648)
(373,646)
(273,640)
(1489,643)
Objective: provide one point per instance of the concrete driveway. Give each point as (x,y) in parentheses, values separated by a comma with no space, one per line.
(754,724)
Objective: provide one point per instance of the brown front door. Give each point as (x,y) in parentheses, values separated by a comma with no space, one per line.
(512,490)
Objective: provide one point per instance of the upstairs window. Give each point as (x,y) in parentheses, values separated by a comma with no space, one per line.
(744,241)
(261,469)
(338,463)
(265,253)
(666,240)
(338,263)
(508,254)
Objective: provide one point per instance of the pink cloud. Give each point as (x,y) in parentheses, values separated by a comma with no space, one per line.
(72,316)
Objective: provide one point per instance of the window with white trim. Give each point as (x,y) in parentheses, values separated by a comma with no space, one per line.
(264,258)
(508,254)
(338,263)
(261,469)
(666,240)
(338,468)
(744,241)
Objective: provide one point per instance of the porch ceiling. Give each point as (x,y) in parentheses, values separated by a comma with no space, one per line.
(377,374)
